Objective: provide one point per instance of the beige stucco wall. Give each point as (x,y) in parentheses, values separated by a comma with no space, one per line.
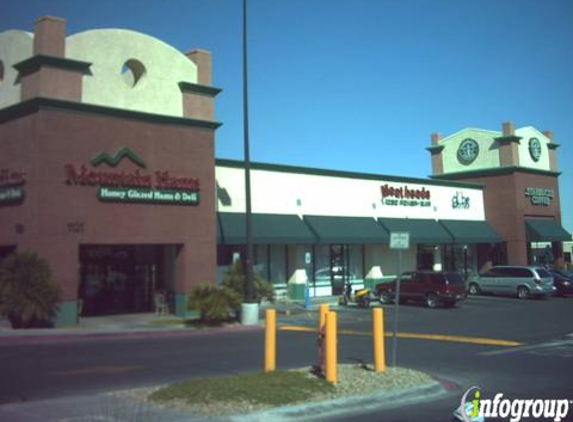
(525,160)
(108,50)
(488,156)
(15,46)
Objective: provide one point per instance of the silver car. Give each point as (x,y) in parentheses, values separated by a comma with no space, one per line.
(511,280)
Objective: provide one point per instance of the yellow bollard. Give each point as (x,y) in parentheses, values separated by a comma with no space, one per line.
(270,340)
(331,348)
(378,339)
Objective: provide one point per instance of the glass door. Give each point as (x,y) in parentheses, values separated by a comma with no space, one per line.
(338,268)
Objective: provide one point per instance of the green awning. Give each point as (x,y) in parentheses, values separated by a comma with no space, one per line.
(347,230)
(421,231)
(268,229)
(471,231)
(545,230)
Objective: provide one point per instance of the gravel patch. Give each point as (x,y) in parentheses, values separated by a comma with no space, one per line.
(353,380)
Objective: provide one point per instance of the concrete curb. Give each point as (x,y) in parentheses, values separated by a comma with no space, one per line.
(106,407)
(345,406)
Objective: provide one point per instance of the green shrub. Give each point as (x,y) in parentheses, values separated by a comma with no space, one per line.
(212,301)
(215,301)
(236,281)
(29,296)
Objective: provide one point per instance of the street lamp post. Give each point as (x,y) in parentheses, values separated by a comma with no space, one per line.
(249,309)
(465,263)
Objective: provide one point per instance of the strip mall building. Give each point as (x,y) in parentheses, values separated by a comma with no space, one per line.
(107,169)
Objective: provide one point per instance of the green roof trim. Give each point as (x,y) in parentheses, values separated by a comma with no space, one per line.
(546,230)
(508,139)
(553,145)
(494,172)
(347,230)
(340,173)
(34,63)
(33,105)
(208,91)
(268,229)
(435,149)
(421,230)
(471,231)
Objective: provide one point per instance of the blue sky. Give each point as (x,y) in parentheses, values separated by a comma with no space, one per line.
(360,84)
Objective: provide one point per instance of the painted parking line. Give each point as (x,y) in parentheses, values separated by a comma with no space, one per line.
(563,348)
(420,336)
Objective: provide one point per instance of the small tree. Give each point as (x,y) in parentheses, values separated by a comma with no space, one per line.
(236,280)
(29,296)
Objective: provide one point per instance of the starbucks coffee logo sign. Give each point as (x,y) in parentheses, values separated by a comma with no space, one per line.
(540,196)
(137,186)
(534,147)
(468,151)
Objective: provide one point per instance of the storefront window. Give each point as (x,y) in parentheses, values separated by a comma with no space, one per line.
(499,254)
(278,265)
(121,279)
(262,261)
(460,258)
(322,260)
(337,264)
(425,257)
(6,250)
(226,254)
(355,257)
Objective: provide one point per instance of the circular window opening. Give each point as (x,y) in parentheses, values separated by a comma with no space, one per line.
(132,71)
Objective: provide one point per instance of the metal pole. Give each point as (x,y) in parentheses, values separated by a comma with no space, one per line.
(396,306)
(249,290)
(465,263)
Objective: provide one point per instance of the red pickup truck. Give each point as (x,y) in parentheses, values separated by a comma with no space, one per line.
(430,287)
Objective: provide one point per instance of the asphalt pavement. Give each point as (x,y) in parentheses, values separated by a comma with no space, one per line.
(67,374)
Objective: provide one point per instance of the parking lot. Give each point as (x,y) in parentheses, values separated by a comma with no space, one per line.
(496,317)
(453,345)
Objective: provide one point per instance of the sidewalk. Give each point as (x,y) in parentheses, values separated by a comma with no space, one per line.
(148,323)
(109,324)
